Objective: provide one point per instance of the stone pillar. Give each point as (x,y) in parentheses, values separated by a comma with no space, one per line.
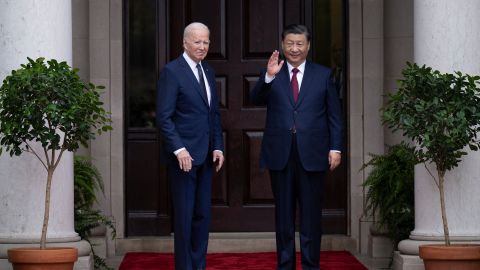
(35,28)
(447,39)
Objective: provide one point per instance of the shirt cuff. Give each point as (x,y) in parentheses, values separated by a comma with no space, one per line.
(268,79)
(179,150)
(336,151)
(218,151)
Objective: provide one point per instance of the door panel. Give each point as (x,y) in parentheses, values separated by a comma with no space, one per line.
(147,197)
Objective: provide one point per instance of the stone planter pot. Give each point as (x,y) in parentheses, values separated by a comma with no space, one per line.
(454,257)
(37,259)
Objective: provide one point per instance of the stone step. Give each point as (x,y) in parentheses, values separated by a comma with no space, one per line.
(229,242)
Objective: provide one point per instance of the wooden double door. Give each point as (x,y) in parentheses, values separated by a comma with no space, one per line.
(243,35)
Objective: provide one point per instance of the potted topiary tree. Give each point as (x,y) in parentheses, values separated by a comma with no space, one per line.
(440,112)
(45,110)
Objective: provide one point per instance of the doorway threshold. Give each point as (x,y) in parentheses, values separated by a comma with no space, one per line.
(242,242)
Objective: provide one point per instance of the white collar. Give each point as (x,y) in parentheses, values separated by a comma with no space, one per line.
(190,62)
(301,67)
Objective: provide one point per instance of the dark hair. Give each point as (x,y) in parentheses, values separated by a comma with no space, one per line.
(296,29)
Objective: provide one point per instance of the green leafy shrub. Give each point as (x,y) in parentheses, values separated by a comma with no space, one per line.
(87,184)
(390,195)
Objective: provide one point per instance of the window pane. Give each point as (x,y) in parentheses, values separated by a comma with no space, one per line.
(329,39)
(141,75)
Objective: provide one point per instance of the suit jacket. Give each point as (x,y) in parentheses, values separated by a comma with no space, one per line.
(183,115)
(316,117)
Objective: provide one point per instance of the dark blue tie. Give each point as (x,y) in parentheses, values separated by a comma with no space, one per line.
(202,81)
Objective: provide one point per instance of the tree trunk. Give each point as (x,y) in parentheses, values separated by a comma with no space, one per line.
(46,215)
(441,188)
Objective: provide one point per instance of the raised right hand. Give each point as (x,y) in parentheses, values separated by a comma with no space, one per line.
(273,66)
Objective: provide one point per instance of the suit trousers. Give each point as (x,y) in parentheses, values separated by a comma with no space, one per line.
(191,196)
(290,186)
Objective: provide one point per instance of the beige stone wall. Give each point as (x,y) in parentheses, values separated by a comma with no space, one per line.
(98,53)
(81,46)
(398,48)
(80,37)
(366,71)
(380,42)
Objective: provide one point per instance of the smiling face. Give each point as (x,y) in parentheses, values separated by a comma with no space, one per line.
(196,43)
(295,48)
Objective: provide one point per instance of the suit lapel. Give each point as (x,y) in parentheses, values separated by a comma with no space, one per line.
(284,79)
(306,82)
(189,73)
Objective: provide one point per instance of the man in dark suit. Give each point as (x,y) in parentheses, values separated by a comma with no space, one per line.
(189,120)
(302,139)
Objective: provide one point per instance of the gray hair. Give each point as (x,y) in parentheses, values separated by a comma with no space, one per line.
(194,26)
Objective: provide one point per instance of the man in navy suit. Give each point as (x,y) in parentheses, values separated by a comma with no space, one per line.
(302,140)
(189,120)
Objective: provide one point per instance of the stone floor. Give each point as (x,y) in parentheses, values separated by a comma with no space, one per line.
(373,264)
